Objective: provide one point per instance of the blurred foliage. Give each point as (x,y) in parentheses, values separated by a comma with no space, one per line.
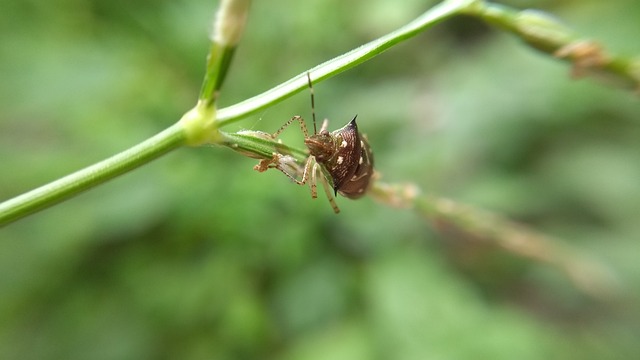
(197,256)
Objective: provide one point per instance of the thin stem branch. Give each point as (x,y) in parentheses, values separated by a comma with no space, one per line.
(546,34)
(228,27)
(343,62)
(259,145)
(477,226)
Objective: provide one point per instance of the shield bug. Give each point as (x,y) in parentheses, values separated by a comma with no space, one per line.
(342,158)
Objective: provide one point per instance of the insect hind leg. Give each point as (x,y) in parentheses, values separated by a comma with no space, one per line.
(282,162)
(310,173)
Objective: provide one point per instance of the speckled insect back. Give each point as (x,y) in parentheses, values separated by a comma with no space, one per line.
(342,157)
(346,156)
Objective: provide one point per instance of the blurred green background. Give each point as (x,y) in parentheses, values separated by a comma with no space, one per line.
(197,256)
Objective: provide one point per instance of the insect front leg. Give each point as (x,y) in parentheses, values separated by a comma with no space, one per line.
(297,118)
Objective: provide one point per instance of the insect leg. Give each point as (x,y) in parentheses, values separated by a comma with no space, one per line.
(329,191)
(282,162)
(313,180)
(297,118)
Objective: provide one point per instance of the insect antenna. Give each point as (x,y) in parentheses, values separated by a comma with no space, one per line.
(313,104)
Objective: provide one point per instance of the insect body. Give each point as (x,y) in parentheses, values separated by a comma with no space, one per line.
(346,156)
(342,157)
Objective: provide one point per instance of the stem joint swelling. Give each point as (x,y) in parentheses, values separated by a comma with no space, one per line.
(200,125)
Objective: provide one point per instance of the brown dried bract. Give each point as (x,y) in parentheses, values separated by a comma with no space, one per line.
(585,55)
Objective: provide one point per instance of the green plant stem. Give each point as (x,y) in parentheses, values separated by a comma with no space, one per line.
(73,184)
(218,64)
(535,28)
(330,68)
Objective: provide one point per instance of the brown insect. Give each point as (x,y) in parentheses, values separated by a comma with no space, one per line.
(342,158)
